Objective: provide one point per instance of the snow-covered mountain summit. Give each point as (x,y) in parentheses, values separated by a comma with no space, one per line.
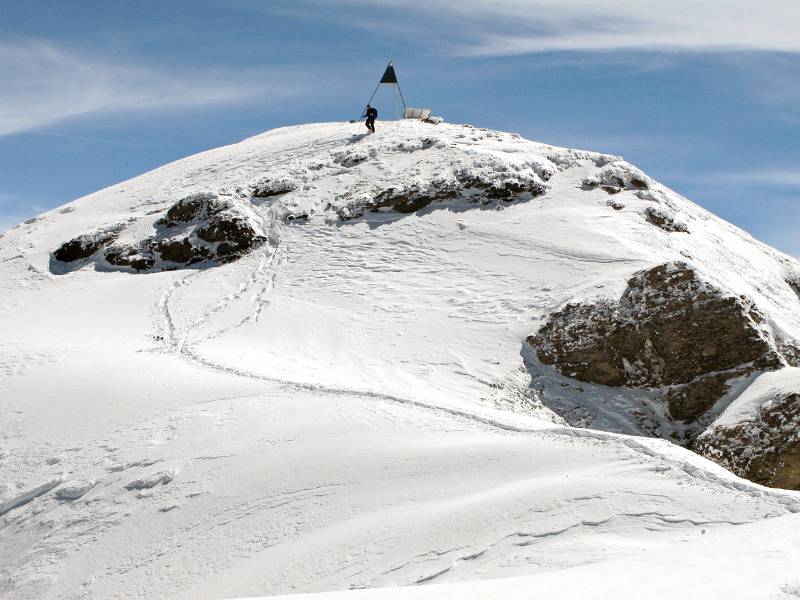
(317,359)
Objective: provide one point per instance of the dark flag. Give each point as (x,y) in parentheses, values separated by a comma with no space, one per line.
(388,75)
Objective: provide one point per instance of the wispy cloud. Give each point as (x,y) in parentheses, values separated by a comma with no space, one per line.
(760,177)
(772,78)
(44,83)
(511,27)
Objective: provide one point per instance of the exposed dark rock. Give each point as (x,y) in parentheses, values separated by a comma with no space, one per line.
(193,208)
(690,402)
(664,220)
(268,188)
(234,234)
(197,229)
(181,251)
(765,448)
(578,341)
(477,189)
(617,178)
(687,342)
(412,199)
(83,246)
(235,230)
(130,256)
(668,329)
(790,351)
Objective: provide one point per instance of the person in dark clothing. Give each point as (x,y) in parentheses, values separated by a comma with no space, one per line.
(371,115)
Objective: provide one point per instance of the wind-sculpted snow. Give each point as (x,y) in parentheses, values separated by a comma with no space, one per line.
(347,398)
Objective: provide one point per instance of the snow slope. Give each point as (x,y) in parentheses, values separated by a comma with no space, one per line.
(347,405)
(718,569)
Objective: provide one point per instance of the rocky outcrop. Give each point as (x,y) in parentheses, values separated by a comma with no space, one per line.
(688,403)
(617,178)
(764,448)
(138,258)
(84,246)
(194,208)
(233,236)
(687,343)
(670,327)
(197,229)
(269,187)
(664,220)
(473,186)
(181,251)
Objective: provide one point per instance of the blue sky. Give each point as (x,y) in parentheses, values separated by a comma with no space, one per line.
(702,94)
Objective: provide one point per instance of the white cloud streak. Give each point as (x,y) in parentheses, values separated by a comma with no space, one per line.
(510,27)
(769,177)
(44,83)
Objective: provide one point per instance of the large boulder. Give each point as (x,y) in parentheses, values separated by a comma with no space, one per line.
(84,246)
(664,220)
(138,258)
(200,229)
(617,178)
(671,331)
(668,328)
(195,207)
(473,185)
(686,345)
(273,186)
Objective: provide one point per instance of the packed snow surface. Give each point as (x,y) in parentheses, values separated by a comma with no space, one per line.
(347,405)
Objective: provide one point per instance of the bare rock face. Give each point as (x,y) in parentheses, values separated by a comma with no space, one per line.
(690,402)
(669,328)
(505,187)
(617,178)
(199,229)
(664,220)
(204,228)
(765,448)
(134,257)
(193,208)
(233,235)
(83,246)
(687,343)
(670,331)
(181,251)
(269,187)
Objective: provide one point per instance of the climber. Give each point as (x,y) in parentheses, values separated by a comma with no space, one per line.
(371,114)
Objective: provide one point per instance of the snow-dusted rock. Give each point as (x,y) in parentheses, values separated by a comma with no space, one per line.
(675,333)
(152,480)
(73,490)
(758,436)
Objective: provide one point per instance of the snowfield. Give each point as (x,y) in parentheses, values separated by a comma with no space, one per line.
(349,404)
